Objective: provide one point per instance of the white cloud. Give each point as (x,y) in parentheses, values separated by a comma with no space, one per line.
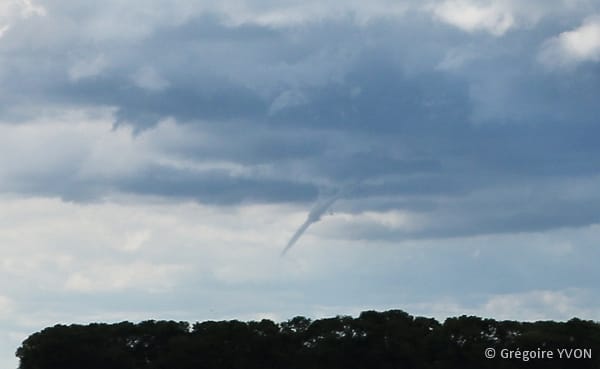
(29,8)
(13,10)
(534,305)
(500,16)
(470,16)
(84,145)
(75,143)
(573,47)
(523,306)
(113,246)
(152,277)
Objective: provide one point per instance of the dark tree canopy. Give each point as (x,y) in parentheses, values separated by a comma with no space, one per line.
(377,340)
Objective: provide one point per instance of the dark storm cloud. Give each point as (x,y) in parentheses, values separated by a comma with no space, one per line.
(420,114)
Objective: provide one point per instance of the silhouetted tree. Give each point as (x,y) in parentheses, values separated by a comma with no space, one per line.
(374,340)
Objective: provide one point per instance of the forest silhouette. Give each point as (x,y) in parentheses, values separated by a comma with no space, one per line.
(385,340)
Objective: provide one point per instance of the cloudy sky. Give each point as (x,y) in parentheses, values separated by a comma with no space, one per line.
(157,156)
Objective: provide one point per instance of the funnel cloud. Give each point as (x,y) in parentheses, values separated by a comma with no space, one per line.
(314,216)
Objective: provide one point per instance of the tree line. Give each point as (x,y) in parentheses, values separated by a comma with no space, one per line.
(378,340)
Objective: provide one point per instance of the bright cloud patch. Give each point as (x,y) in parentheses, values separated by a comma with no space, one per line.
(526,306)
(11,10)
(573,47)
(473,16)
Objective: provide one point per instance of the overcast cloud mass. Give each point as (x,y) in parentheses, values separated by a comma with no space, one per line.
(157,156)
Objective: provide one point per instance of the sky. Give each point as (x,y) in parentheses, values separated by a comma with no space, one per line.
(156,157)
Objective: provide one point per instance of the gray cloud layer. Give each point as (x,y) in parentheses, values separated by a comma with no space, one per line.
(463,120)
